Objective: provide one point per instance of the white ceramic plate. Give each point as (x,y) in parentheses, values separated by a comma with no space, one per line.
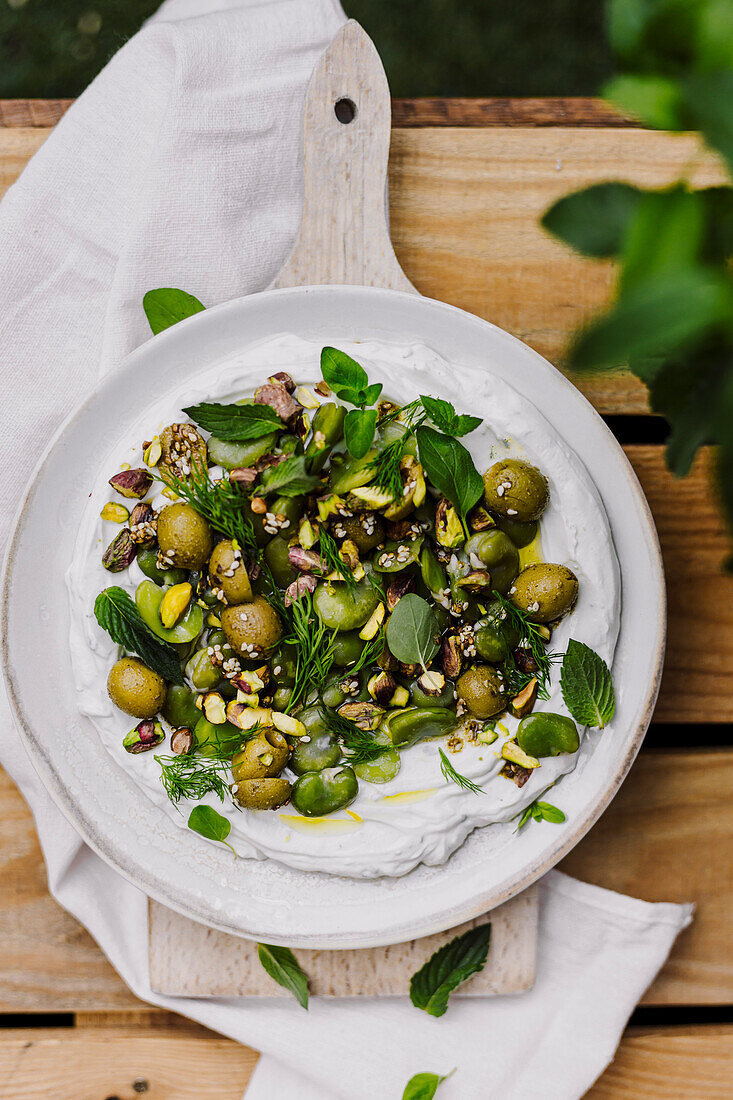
(263,900)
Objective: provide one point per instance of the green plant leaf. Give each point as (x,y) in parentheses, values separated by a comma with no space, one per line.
(115,611)
(444,416)
(341,371)
(594,221)
(423,1086)
(433,983)
(289,478)
(663,315)
(208,823)
(282,965)
(664,235)
(686,390)
(450,468)
(352,397)
(550,813)
(708,97)
(235,423)
(718,245)
(627,22)
(412,631)
(167,306)
(372,393)
(359,427)
(655,100)
(587,687)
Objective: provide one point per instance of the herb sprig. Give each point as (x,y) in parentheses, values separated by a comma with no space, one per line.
(190,776)
(313,644)
(453,776)
(220,502)
(541,811)
(361,748)
(530,637)
(334,562)
(115,611)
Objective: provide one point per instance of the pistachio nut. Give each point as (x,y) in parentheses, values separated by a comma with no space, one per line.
(431,683)
(143,524)
(114,513)
(182,741)
(174,603)
(398,588)
(373,623)
(182,449)
(381,687)
(285,723)
(366,716)
(308,533)
(120,553)
(451,656)
(511,751)
(153,452)
(145,736)
(213,706)
(479,519)
(522,703)
(132,483)
(369,498)
(448,527)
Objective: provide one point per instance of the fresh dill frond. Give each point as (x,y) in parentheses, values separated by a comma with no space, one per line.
(359,745)
(529,638)
(191,776)
(219,502)
(386,464)
(452,776)
(369,653)
(313,646)
(333,561)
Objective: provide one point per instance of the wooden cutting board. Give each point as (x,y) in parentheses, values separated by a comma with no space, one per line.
(343,238)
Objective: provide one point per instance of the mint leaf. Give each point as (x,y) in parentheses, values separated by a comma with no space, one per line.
(282,965)
(450,468)
(341,371)
(412,631)
(116,613)
(359,428)
(423,1086)
(595,220)
(289,478)
(431,986)
(444,416)
(235,423)
(167,306)
(587,688)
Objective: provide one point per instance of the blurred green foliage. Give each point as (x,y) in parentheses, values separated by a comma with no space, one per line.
(53,48)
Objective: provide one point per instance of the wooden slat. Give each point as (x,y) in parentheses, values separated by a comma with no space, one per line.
(425,111)
(665,837)
(465,207)
(685,1063)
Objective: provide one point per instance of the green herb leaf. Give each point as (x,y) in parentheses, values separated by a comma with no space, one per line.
(116,613)
(167,306)
(353,397)
(282,965)
(235,423)
(208,823)
(550,813)
(372,393)
(412,631)
(452,776)
(289,478)
(595,220)
(444,416)
(587,688)
(450,468)
(423,1086)
(220,502)
(359,427)
(341,371)
(431,986)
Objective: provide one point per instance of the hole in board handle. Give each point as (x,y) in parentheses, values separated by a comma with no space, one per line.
(345,110)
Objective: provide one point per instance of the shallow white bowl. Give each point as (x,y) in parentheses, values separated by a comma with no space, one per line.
(263,900)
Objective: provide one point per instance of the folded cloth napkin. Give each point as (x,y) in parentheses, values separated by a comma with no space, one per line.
(180,166)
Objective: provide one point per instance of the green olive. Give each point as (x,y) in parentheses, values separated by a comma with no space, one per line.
(318,793)
(287,512)
(499,554)
(495,635)
(281,698)
(148,562)
(321,751)
(252,628)
(421,699)
(262,794)
(135,688)
(334,695)
(545,592)
(366,530)
(482,690)
(516,489)
(521,534)
(545,734)
(276,556)
(233,455)
(203,674)
(264,756)
(347,647)
(184,536)
(228,572)
(180,708)
(339,609)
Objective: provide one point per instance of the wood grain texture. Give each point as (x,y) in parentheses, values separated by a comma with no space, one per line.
(465,207)
(665,837)
(424,111)
(343,236)
(685,1063)
(189,960)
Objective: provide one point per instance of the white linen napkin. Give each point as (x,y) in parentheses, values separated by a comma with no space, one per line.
(179,166)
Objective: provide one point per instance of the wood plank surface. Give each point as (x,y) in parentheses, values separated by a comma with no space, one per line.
(465,205)
(666,1063)
(423,111)
(656,842)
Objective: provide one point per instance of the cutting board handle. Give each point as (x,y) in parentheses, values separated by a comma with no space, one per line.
(343,236)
